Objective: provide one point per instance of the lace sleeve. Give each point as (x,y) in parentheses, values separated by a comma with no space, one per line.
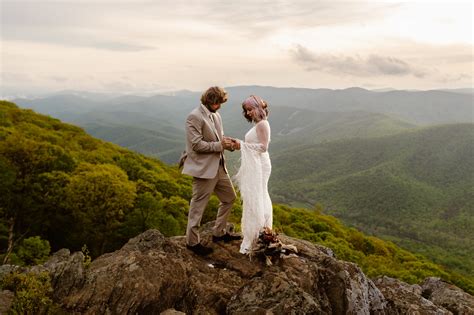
(263,135)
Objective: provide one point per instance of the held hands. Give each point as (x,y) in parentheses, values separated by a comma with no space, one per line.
(236,144)
(230,144)
(227,143)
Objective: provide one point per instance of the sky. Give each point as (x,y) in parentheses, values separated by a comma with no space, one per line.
(147,47)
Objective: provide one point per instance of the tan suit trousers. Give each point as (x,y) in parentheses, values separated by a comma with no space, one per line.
(202,190)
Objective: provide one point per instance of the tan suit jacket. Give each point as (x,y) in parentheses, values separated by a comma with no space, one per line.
(203,144)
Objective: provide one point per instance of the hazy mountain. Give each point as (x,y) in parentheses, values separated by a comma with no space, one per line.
(147,134)
(463,91)
(383,90)
(93,96)
(293,127)
(58,105)
(134,122)
(159,121)
(419,107)
(297,115)
(415,187)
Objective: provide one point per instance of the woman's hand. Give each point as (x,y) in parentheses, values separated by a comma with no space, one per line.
(236,144)
(231,144)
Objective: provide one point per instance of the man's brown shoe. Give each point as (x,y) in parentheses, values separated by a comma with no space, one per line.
(226,238)
(199,249)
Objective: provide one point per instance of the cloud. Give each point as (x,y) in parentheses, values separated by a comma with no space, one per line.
(391,66)
(372,65)
(15,77)
(187,44)
(118,46)
(455,77)
(257,19)
(67,24)
(58,78)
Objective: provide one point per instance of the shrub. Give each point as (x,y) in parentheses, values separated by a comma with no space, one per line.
(32,293)
(34,250)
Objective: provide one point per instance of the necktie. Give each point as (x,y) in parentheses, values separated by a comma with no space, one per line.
(217,126)
(214,121)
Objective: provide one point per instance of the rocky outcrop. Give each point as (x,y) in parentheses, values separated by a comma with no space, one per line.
(6,301)
(448,296)
(153,274)
(403,298)
(67,272)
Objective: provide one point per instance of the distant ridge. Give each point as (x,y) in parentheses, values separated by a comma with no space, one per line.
(407,107)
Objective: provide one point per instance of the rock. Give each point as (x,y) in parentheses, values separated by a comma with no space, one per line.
(7,269)
(6,301)
(66,272)
(273,293)
(448,296)
(153,274)
(403,298)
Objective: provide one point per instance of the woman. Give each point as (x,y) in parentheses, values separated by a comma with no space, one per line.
(252,177)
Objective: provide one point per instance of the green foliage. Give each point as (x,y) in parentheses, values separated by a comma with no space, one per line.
(87,258)
(153,211)
(34,250)
(97,197)
(59,183)
(32,293)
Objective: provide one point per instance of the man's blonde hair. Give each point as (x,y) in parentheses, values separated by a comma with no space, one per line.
(214,95)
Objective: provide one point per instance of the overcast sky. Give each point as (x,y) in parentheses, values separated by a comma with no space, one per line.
(152,46)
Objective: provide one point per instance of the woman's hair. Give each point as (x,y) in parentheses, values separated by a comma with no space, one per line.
(257,103)
(214,95)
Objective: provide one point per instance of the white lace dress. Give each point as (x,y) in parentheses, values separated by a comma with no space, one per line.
(252,180)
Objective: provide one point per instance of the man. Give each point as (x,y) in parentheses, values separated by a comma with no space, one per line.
(204,160)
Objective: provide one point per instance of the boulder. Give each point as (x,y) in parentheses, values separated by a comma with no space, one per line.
(66,271)
(152,274)
(404,298)
(6,301)
(448,296)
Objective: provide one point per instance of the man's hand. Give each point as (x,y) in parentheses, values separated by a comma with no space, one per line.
(227,143)
(230,144)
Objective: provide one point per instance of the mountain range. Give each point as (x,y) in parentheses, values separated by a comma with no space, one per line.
(295,114)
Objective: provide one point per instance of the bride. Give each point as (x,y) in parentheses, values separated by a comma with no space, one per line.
(252,177)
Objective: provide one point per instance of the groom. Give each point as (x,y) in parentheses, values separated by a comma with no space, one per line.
(204,160)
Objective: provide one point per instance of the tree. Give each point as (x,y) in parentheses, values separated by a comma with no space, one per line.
(98,196)
(148,208)
(34,250)
(7,178)
(22,161)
